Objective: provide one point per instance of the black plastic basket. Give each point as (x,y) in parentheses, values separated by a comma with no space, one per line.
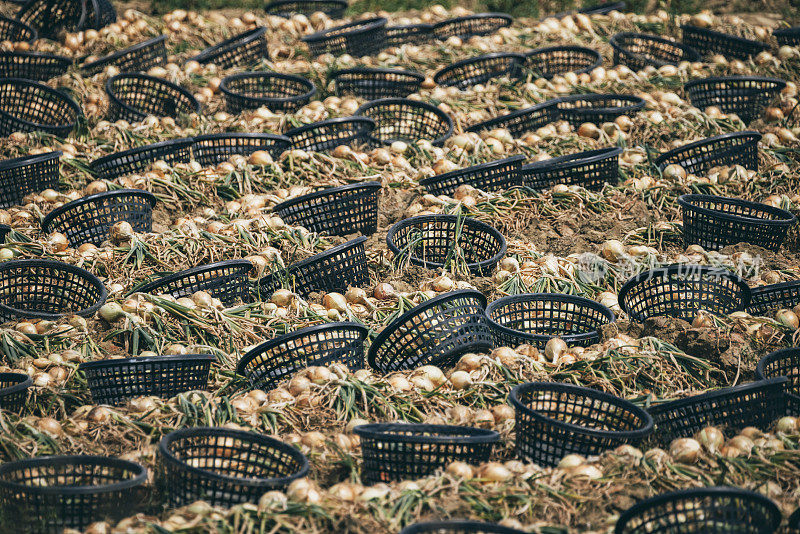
(373,84)
(53,493)
(133,97)
(14,391)
(137,58)
(491,176)
(139,159)
(286,8)
(681,290)
(481,69)
(276,359)
(714,222)
(437,332)
(402,451)
(737,148)
(32,65)
(335,269)
(225,467)
(224,280)
(639,50)
(522,120)
(458,527)
(788,37)
(549,61)
(756,404)
(596,108)
(535,318)
(412,34)
(479,24)
(213,149)
(747,96)
(591,169)
(708,41)
(89,219)
(116,381)
(555,419)
(326,135)
(344,210)
(240,50)
(766,299)
(50,17)
(28,174)
(710,510)
(47,289)
(603,8)
(793,524)
(359,38)
(29,106)
(783,362)
(4,231)
(278,92)
(431,240)
(402,119)
(99,14)
(16,31)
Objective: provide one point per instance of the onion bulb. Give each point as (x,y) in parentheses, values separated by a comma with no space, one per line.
(685,450)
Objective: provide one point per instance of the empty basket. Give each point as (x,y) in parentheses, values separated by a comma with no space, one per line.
(591,169)
(213,149)
(286,8)
(327,135)
(278,92)
(243,49)
(14,391)
(224,280)
(738,148)
(463,27)
(32,65)
(29,106)
(359,38)
(552,60)
(27,174)
(747,96)
(523,120)
(481,69)
(372,84)
(766,299)
(595,108)
(783,362)
(133,97)
(639,50)
(491,176)
(139,159)
(713,42)
(402,119)
(137,58)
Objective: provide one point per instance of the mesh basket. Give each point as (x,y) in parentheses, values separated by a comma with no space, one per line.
(133,97)
(137,58)
(441,241)
(213,149)
(139,159)
(401,119)
(47,289)
(279,358)
(603,8)
(89,219)
(373,84)
(16,31)
(226,467)
(32,65)
(286,8)
(480,69)
(714,222)
(713,42)
(738,148)
(412,34)
(523,120)
(4,231)
(681,291)
(29,106)
(463,27)
(639,50)
(577,109)
(711,510)
(534,318)
(240,50)
(27,174)
(554,420)
(359,38)
(766,299)
(401,451)
(552,60)
(747,96)
(437,332)
(53,493)
(335,269)
(492,176)
(458,527)
(793,524)
(14,391)
(116,381)
(592,170)
(344,210)
(327,135)
(756,404)
(99,14)
(783,362)
(50,17)
(788,37)
(278,92)
(224,280)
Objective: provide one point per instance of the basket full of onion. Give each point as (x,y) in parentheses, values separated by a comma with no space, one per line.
(746,96)
(28,174)
(224,280)
(708,41)
(492,176)
(737,148)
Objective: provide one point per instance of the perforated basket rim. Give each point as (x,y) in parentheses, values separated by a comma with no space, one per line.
(66,99)
(488,15)
(267,100)
(786,219)
(314,125)
(354,28)
(199,431)
(139,478)
(110,58)
(184,142)
(726,36)
(65,61)
(24,382)
(640,413)
(714,491)
(330,252)
(470,170)
(723,79)
(174,277)
(411,103)
(545,297)
(134,75)
(261,348)
(342,4)
(329,191)
(598,57)
(772,357)
(636,103)
(214,51)
(518,57)
(420,26)
(577,159)
(771,288)
(382,432)
(124,362)
(23,161)
(458,524)
(491,123)
(614,42)
(751,135)
(48,219)
(789,32)
(34,32)
(415,76)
